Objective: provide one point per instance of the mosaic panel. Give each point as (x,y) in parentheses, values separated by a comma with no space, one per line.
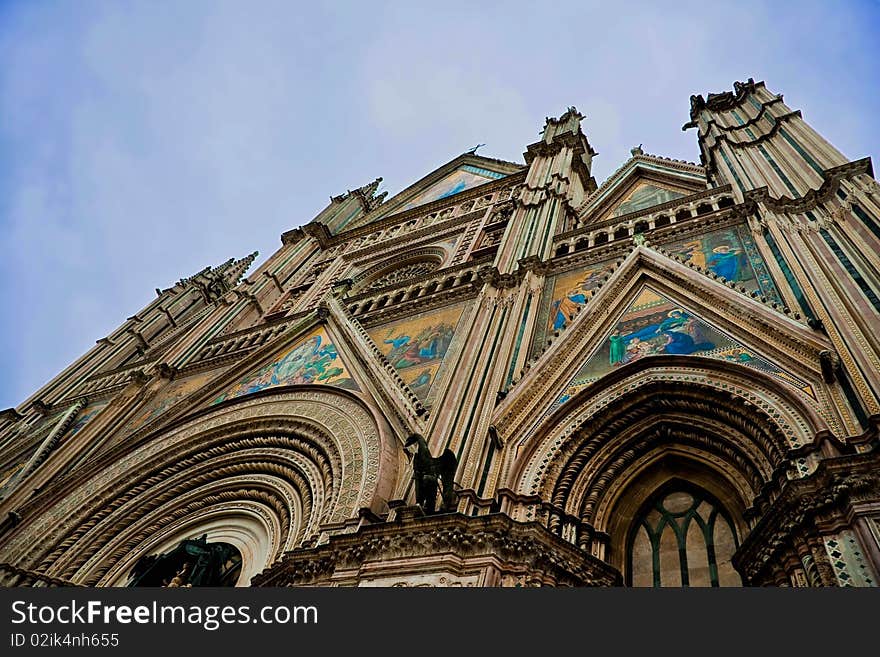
(645,196)
(654,325)
(417,345)
(731,253)
(563,295)
(175,392)
(313,359)
(465,177)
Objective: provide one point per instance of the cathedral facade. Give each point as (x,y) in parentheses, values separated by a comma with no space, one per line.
(668,379)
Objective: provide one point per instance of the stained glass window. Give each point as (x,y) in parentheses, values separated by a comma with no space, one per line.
(682,538)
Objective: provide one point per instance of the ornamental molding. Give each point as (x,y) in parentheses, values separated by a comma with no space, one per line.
(723,101)
(713,141)
(754,120)
(814,197)
(402,400)
(369,281)
(474,193)
(819,503)
(402,242)
(317,422)
(637,166)
(504,542)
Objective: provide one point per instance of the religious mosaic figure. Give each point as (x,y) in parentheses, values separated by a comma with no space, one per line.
(725,262)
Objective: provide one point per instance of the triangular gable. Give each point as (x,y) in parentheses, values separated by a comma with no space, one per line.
(654,325)
(645,195)
(167,399)
(741,330)
(644,181)
(730,252)
(313,359)
(465,177)
(463,173)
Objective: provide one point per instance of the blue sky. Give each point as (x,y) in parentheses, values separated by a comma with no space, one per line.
(142,141)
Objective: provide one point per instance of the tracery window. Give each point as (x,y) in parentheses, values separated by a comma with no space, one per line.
(403,273)
(682,537)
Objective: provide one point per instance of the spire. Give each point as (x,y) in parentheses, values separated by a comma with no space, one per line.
(234,270)
(346,209)
(214,282)
(743,135)
(366,195)
(570,121)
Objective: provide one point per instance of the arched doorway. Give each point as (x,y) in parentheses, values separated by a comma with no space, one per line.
(193,562)
(260,473)
(681,451)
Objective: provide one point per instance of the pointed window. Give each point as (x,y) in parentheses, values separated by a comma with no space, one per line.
(683,537)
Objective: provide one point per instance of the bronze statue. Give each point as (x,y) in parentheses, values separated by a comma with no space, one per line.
(194,562)
(427,470)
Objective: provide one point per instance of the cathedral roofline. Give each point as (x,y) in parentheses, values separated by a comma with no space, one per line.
(725,100)
(639,157)
(388,209)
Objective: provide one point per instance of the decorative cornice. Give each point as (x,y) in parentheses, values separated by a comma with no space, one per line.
(519,545)
(814,197)
(631,166)
(723,101)
(821,497)
(753,121)
(320,232)
(292,236)
(427,208)
(41,407)
(10,415)
(629,216)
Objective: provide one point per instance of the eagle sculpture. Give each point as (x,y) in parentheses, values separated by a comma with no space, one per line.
(428,471)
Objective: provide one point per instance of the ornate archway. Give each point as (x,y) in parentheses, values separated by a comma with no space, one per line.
(605,454)
(263,474)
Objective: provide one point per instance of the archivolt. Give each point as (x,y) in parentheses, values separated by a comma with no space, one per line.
(292,459)
(761,407)
(743,444)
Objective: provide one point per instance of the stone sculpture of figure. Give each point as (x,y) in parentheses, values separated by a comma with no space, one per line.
(428,471)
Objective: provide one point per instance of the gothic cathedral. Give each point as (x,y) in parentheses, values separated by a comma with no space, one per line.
(505,375)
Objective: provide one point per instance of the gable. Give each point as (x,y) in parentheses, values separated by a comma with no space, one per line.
(166,399)
(642,182)
(645,195)
(464,177)
(311,360)
(654,325)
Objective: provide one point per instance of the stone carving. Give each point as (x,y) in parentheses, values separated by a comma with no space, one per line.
(404,273)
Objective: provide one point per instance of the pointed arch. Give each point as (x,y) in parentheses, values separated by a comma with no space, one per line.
(687,517)
(267,473)
(797,422)
(727,429)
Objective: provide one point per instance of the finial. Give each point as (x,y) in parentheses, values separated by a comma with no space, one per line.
(637,150)
(473,151)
